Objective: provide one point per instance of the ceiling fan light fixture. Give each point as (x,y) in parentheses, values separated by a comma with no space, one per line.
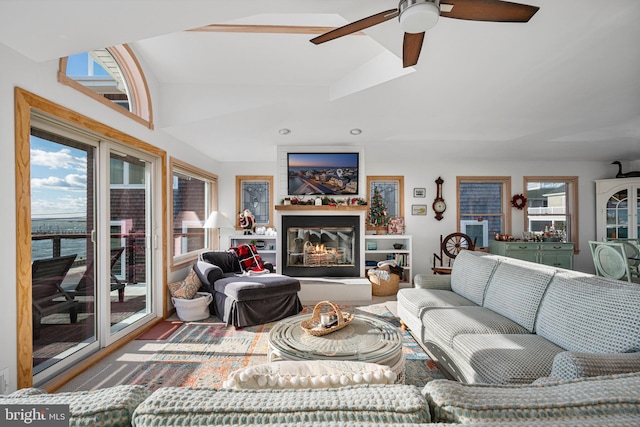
(418,16)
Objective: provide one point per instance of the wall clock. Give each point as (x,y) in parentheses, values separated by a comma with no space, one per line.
(439,206)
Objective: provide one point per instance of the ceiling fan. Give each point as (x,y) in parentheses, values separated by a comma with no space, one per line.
(418,16)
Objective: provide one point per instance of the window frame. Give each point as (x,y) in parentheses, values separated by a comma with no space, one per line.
(372,179)
(140,99)
(572,205)
(211,235)
(505,181)
(240,179)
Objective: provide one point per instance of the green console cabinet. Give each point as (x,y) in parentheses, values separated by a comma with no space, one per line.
(555,254)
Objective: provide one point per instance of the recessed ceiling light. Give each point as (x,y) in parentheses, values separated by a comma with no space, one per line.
(355,131)
(284,131)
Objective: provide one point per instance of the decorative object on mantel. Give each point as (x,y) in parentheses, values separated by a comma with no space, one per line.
(324,323)
(324,201)
(378,216)
(631,174)
(247,221)
(518,201)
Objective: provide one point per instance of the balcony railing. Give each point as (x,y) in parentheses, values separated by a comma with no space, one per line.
(133,255)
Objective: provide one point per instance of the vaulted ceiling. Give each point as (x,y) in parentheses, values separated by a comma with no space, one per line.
(564,85)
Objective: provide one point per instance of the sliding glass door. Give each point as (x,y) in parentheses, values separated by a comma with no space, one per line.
(64,311)
(129,204)
(91,227)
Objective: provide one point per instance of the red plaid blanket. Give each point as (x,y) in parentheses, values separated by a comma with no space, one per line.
(248,256)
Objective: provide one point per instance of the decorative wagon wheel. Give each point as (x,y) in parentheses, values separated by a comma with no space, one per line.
(455,242)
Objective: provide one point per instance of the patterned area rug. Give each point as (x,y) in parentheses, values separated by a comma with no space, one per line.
(204,353)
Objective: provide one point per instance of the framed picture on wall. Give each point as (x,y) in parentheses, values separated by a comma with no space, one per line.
(396,225)
(418,209)
(256,194)
(419,192)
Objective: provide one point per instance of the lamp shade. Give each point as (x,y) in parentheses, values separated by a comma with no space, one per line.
(419,16)
(217,220)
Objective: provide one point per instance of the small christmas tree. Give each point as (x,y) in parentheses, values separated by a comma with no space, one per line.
(378,216)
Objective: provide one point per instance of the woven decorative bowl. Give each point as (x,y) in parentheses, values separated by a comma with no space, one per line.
(312,326)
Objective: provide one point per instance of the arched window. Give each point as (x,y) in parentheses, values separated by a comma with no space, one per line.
(113,77)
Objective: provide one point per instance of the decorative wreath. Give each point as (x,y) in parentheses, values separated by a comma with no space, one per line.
(518,201)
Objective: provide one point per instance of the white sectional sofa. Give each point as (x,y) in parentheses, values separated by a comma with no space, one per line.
(500,320)
(598,401)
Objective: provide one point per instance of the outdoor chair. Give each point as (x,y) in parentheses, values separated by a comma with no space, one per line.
(48,297)
(85,286)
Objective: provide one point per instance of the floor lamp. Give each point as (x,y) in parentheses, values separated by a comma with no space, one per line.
(218,220)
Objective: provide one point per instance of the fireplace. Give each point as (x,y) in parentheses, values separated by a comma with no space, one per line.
(320,245)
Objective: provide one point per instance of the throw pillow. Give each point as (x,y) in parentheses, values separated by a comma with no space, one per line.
(188,287)
(248,257)
(309,374)
(174,286)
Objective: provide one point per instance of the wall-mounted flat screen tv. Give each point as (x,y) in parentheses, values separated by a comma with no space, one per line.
(322,173)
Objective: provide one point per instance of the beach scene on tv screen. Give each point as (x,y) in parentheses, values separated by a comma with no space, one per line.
(322,173)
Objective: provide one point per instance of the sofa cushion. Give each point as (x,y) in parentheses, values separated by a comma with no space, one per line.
(309,374)
(432,281)
(174,406)
(108,407)
(416,300)
(588,314)
(587,401)
(515,290)
(506,359)
(227,261)
(447,323)
(247,288)
(471,273)
(570,364)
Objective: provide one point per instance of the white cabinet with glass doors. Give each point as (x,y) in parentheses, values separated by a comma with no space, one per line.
(617,206)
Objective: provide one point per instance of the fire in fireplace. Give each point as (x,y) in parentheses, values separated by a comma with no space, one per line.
(317,246)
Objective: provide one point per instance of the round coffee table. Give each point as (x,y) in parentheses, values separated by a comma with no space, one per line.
(365,339)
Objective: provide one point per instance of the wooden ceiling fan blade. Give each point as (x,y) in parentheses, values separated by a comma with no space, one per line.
(411,48)
(488,10)
(367,22)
